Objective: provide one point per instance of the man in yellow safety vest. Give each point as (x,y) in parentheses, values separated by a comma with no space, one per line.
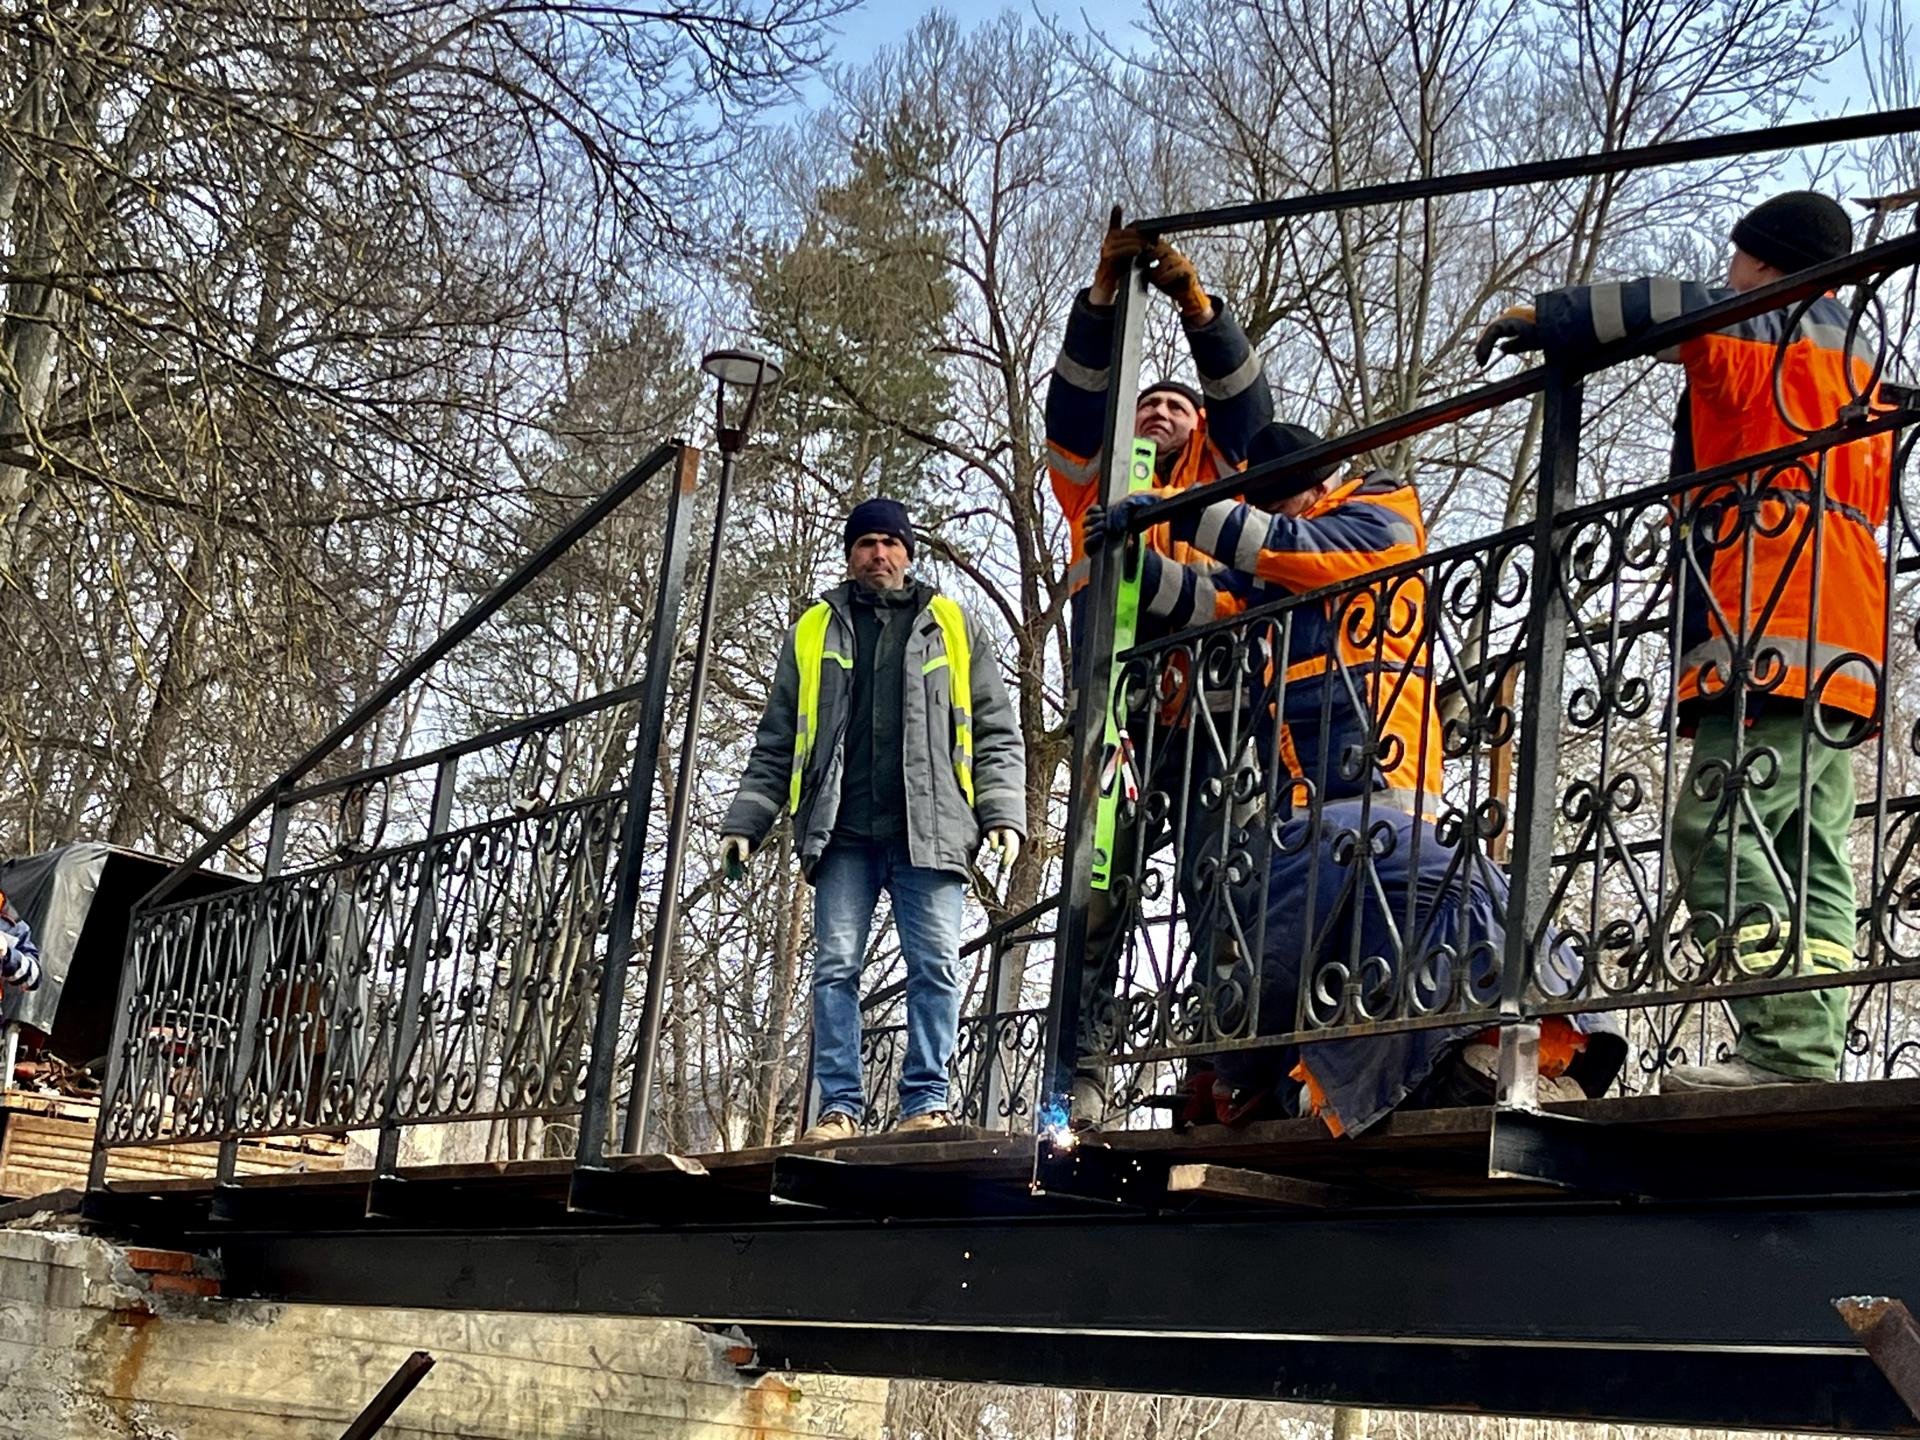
(889,737)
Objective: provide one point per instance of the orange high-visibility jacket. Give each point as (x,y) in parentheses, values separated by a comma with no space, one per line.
(1358,673)
(1238,404)
(1763,625)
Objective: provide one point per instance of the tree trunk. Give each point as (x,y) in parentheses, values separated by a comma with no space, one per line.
(134,819)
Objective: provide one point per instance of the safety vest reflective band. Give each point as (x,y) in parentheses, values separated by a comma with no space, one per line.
(810,655)
(959,660)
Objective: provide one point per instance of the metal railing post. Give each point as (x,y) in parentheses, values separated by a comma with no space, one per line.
(406,1023)
(596,1106)
(1093,667)
(259,947)
(994,1087)
(1541,715)
(666,916)
(116,1049)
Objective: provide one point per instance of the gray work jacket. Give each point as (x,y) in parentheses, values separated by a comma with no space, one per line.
(943,830)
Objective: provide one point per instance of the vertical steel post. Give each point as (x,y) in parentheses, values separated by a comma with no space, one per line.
(406,1024)
(1541,713)
(1093,668)
(116,1048)
(993,1087)
(666,918)
(259,951)
(596,1106)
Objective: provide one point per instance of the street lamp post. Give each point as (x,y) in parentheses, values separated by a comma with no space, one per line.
(743,379)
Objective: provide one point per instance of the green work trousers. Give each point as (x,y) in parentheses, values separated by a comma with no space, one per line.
(1715,837)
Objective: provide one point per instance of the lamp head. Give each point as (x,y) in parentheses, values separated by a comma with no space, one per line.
(744,378)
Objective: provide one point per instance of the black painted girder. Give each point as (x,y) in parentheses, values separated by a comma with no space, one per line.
(1708,1277)
(1806,1394)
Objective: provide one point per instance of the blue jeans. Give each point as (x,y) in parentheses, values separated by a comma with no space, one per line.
(926,911)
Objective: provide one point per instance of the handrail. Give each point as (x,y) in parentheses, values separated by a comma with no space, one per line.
(1813,443)
(482,610)
(459,749)
(1278,479)
(1539,172)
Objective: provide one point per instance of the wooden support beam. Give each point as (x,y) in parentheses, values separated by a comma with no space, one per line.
(1223,1182)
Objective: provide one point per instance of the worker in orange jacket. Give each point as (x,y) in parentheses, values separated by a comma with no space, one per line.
(1769,658)
(1356,678)
(1350,676)
(1199,436)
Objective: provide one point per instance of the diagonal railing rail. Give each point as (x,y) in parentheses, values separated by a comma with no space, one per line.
(453,973)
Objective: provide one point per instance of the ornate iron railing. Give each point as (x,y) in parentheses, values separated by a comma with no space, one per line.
(467,917)
(1525,694)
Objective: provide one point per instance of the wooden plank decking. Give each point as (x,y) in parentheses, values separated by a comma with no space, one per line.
(1814,1138)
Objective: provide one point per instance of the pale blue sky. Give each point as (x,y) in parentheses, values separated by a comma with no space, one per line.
(877,23)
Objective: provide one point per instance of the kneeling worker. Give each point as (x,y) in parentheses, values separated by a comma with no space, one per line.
(889,736)
(1400,907)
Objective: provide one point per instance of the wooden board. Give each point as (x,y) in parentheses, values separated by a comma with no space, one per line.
(42,1151)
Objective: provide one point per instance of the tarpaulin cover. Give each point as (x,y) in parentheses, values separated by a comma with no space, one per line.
(52,893)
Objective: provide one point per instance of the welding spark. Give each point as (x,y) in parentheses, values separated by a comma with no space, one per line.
(1055,1126)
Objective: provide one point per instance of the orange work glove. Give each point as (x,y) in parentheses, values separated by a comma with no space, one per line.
(1116,255)
(1172,274)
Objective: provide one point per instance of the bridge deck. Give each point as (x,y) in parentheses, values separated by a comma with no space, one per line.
(1810,1140)
(1667,1260)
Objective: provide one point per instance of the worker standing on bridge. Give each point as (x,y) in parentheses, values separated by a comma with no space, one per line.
(1198,436)
(1770,659)
(889,737)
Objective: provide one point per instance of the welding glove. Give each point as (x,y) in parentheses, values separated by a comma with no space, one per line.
(1172,274)
(1111,521)
(1515,325)
(1117,250)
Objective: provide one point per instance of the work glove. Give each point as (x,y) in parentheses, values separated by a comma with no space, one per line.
(1516,327)
(734,852)
(1171,273)
(1117,250)
(1006,840)
(1110,522)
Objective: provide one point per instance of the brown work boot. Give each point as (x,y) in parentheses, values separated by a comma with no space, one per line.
(931,1120)
(834,1125)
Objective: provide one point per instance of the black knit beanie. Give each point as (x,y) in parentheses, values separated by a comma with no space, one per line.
(880,516)
(1279,439)
(1793,231)
(1192,395)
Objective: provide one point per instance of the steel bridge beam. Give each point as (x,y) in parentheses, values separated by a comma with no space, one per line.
(1802,1394)
(1759,1276)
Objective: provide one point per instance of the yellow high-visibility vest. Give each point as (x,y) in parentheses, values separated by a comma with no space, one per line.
(810,654)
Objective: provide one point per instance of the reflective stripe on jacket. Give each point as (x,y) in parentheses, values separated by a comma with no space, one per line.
(1358,666)
(961,746)
(1767,611)
(1238,403)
